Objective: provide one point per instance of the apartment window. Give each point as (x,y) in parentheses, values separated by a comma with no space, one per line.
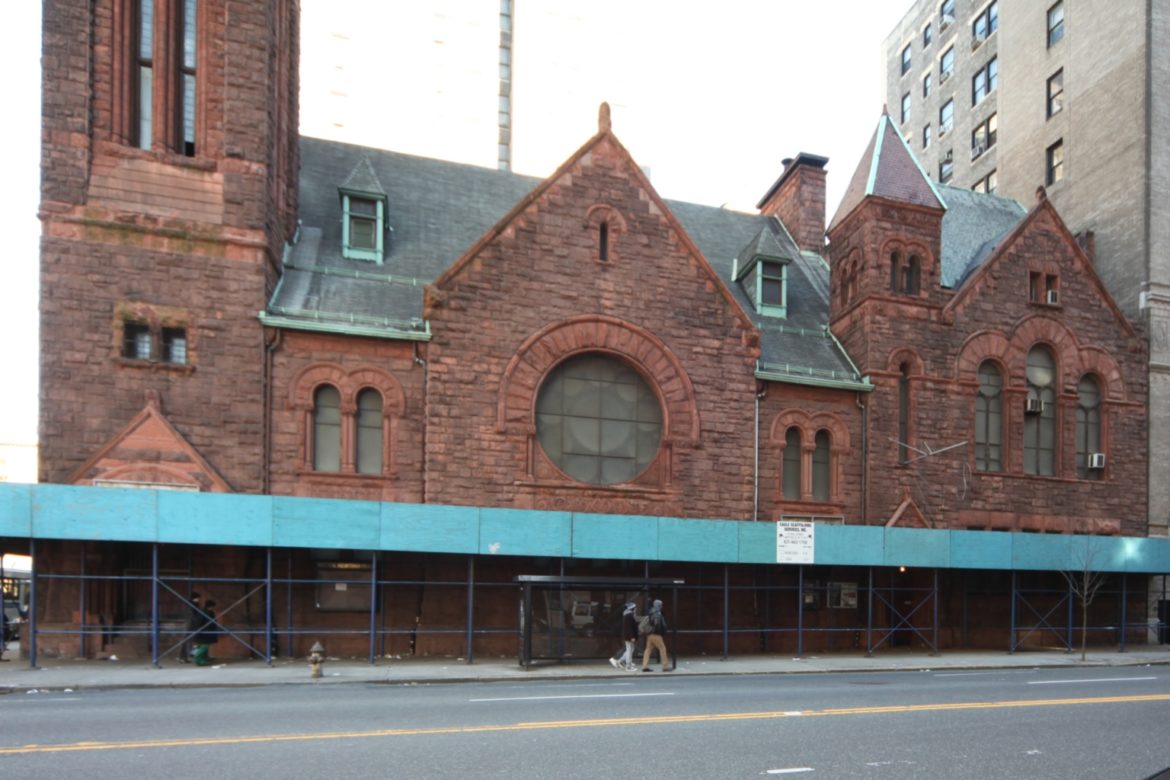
(1040,413)
(987,184)
(986,22)
(946,168)
(1055,24)
(905,107)
(820,466)
(926,136)
(983,136)
(906,59)
(1043,288)
(773,289)
(362,227)
(1054,163)
(1055,93)
(946,117)
(141,341)
(989,419)
(926,84)
(791,466)
(984,81)
(946,64)
(327,429)
(1088,427)
(136,341)
(162,95)
(946,14)
(927,35)
(174,341)
(369,432)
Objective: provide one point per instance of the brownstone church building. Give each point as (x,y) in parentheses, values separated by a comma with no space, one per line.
(229,308)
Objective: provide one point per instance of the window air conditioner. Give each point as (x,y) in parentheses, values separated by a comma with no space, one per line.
(1053,297)
(1096,460)
(946,22)
(1034,406)
(949,156)
(976,43)
(977,150)
(942,77)
(942,130)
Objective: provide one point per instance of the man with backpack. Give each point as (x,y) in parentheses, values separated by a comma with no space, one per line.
(654,640)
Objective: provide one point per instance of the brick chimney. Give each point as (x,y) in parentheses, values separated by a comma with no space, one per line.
(798,200)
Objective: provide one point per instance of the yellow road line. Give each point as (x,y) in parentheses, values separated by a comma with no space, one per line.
(570,724)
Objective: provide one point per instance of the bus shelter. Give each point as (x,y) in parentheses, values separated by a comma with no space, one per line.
(571,617)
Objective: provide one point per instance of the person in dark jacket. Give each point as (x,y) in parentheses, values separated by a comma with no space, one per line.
(629,637)
(194,621)
(207,636)
(654,640)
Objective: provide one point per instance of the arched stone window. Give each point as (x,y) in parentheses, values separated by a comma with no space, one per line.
(327,429)
(598,420)
(820,466)
(368,455)
(895,271)
(1088,427)
(904,413)
(989,419)
(912,276)
(1040,413)
(791,473)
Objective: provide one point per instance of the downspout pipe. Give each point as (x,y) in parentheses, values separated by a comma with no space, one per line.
(420,361)
(761,391)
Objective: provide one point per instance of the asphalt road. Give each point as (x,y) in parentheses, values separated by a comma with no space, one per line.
(1052,723)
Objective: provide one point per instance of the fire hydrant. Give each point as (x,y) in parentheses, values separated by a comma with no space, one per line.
(316,658)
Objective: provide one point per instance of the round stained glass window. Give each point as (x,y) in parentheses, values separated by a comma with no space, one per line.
(598,420)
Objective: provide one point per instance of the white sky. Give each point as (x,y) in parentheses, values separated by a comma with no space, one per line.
(710,96)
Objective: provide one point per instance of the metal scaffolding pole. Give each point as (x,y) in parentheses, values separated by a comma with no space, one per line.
(934,597)
(800,611)
(1012,636)
(268,632)
(471,606)
(154,605)
(726,612)
(1124,611)
(373,607)
(81,604)
(32,604)
(869,617)
(1071,598)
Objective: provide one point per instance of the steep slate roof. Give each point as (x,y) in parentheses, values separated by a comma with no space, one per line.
(888,169)
(437,210)
(972,228)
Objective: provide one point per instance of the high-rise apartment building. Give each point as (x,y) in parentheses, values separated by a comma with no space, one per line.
(1072,95)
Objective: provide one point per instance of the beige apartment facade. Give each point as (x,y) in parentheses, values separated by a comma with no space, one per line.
(1071,95)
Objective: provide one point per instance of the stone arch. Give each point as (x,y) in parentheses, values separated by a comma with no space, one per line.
(778,431)
(838,431)
(313,376)
(905,355)
(393,396)
(1098,362)
(556,342)
(1040,329)
(985,345)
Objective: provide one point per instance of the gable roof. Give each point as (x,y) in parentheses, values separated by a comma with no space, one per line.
(888,169)
(363,179)
(438,210)
(973,226)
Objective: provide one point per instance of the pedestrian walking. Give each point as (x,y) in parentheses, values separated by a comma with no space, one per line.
(629,637)
(654,640)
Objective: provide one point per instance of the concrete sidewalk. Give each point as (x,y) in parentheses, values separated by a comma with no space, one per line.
(56,675)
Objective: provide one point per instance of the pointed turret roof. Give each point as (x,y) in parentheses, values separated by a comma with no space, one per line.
(888,169)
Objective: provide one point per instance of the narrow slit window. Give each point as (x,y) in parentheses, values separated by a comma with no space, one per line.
(603,242)
(145,65)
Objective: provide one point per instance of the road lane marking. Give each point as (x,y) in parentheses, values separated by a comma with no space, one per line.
(790,771)
(1097,680)
(574,696)
(571,724)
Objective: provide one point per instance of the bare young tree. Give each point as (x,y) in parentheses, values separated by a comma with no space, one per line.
(1084,582)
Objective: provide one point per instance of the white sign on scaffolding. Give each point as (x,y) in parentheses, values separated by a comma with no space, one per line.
(795,541)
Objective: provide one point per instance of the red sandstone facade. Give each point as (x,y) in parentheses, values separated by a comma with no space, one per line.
(143,246)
